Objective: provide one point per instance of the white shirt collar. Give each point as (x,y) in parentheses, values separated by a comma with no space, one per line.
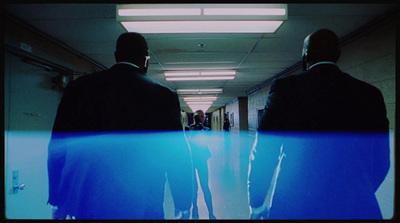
(131,64)
(322,62)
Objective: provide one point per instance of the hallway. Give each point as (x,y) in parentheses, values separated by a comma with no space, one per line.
(227,178)
(46,46)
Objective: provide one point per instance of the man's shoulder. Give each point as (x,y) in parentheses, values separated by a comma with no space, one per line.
(288,81)
(88,78)
(83,82)
(162,89)
(363,87)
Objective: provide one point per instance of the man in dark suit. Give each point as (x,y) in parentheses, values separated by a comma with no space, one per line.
(199,138)
(112,146)
(323,139)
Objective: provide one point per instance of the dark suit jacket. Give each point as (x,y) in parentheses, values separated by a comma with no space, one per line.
(334,133)
(116,134)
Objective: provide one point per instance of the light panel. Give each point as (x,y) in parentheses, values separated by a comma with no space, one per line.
(201,98)
(199,103)
(242,26)
(205,78)
(200,75)
(181,73)
(201,18)
(245,11)
(218,73)
(199,91)
(160,12)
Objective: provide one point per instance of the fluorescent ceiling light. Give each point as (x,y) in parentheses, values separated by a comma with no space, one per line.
(201,98)
(200,78)
(245,11)
(213,73)
(159,12)
(201,18)
(243,26)
(199,102)
(181,73)
(200,75)
(199,91)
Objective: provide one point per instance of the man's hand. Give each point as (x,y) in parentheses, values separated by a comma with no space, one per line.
(183,215)
(261,212)
(57,213)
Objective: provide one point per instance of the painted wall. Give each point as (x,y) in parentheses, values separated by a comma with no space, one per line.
(372,59)
(217,119)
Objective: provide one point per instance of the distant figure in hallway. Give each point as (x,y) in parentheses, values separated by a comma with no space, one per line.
(198,140)
(227,141)
(227,124)
(323,139)
(111,149)
(207,122)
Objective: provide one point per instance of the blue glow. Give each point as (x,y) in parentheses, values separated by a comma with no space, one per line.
(106,161)
(321,176)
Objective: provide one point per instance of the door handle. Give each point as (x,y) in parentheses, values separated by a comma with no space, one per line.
(18,187)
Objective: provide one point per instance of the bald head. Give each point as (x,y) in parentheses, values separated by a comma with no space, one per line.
(198,116)
(322,45)
(131,47)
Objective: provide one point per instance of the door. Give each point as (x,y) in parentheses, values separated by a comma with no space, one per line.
(30,105)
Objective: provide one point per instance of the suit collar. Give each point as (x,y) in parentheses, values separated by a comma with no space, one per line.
(322,62)
(128,66)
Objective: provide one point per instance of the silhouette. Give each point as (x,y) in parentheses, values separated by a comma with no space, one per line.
(198,140)
(326,135)
(227,125)
(111,149)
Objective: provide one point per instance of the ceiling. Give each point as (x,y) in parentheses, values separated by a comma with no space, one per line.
(92,29)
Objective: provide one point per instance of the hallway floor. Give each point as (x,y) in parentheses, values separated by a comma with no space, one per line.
(227,179)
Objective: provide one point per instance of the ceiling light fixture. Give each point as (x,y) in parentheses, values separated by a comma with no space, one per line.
(199,91)
(246,11)
(202,26)
(201,98)
(199,102)
(200,75)
(159,12)
(200,78)
(202,18)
